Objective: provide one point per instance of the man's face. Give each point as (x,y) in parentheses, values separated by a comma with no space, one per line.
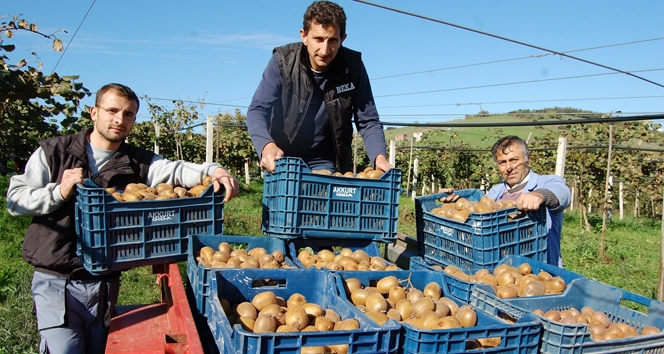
(322,43)
(512,165)
(114,117)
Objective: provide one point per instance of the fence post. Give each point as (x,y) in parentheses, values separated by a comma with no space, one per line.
(157,133)
(393,153)
(560,157)
(209,139)
(246,172)
(622,205)
(416,168)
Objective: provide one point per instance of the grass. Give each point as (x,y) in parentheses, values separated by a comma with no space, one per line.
(631,260)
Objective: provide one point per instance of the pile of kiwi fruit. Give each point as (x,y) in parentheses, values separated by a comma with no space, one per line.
(163,191)
(599,324)
(426,309)
(226,257)
(509,281)
(347,259)
(368,172)
(268,313)
(462,208)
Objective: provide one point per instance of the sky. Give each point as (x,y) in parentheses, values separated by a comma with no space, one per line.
(421,70)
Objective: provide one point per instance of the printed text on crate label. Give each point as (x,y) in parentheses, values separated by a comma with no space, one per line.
(165,215)
(344,191)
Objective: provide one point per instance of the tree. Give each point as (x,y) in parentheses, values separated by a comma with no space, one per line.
(233,144)
(30,101)
(177,139)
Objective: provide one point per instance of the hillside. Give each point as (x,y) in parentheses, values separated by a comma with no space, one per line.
(483,137)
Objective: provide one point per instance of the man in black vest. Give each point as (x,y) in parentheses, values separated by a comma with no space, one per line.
(309,95)
(73,306)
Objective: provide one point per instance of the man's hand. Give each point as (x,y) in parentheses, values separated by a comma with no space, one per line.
(231,184)
(529,201)
(69,180)
(450,198)
(270,153)
(382,163)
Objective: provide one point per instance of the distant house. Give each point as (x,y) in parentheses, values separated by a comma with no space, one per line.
(401,136)
(418,136)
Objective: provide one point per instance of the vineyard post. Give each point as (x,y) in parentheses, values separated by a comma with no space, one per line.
(607,185)
(209,139)
(636,204)
(157,133)
(410,162)
(622,202)
(433,184)
(571,200)
(246,172)
(660,285)
(393,152)
(416,167)
(560,156)
(590,207)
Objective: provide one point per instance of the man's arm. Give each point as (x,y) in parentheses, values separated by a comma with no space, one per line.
(258,114)
(553,186)
(31,194)
(189,174)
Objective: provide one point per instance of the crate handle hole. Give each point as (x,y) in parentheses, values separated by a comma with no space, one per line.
(268,283)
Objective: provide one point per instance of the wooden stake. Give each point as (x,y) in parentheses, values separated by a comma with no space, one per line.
(660,286)
(606,192)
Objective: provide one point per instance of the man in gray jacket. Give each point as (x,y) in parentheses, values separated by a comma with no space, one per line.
(73,306)
(531,191)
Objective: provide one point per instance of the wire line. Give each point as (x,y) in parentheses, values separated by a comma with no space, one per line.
(510,40)
(74,35)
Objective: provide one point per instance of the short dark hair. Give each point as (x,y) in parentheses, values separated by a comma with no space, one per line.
(121,90)
(506,142)
(327,14)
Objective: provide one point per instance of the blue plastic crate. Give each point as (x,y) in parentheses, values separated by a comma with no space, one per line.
(576,338)
(368,246)
(236,285)
(483,239)
(199,276)
(523,336)
(113,235)
(299,203)
(462,290)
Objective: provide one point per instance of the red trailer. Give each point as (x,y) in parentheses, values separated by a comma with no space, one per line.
(165,328)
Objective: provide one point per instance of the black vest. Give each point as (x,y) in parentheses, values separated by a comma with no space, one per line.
(50,242)
(298,89)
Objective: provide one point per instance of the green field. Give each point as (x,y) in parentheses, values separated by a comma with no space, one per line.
(631,261)
(475,137)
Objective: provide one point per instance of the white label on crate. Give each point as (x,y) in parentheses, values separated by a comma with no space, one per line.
(161,215)
(344,191)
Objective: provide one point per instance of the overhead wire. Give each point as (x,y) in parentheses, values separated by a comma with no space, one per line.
(509,40)
(506,83)
(514,59)
(523,101)
(74,35)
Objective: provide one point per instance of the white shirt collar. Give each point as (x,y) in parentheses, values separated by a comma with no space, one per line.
(525,180)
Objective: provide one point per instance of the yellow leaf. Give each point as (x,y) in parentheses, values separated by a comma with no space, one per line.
(23,24)
(33,27)
(9,34)
(57,45)
(21,63)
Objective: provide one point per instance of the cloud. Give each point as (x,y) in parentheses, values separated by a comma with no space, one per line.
(256,41)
